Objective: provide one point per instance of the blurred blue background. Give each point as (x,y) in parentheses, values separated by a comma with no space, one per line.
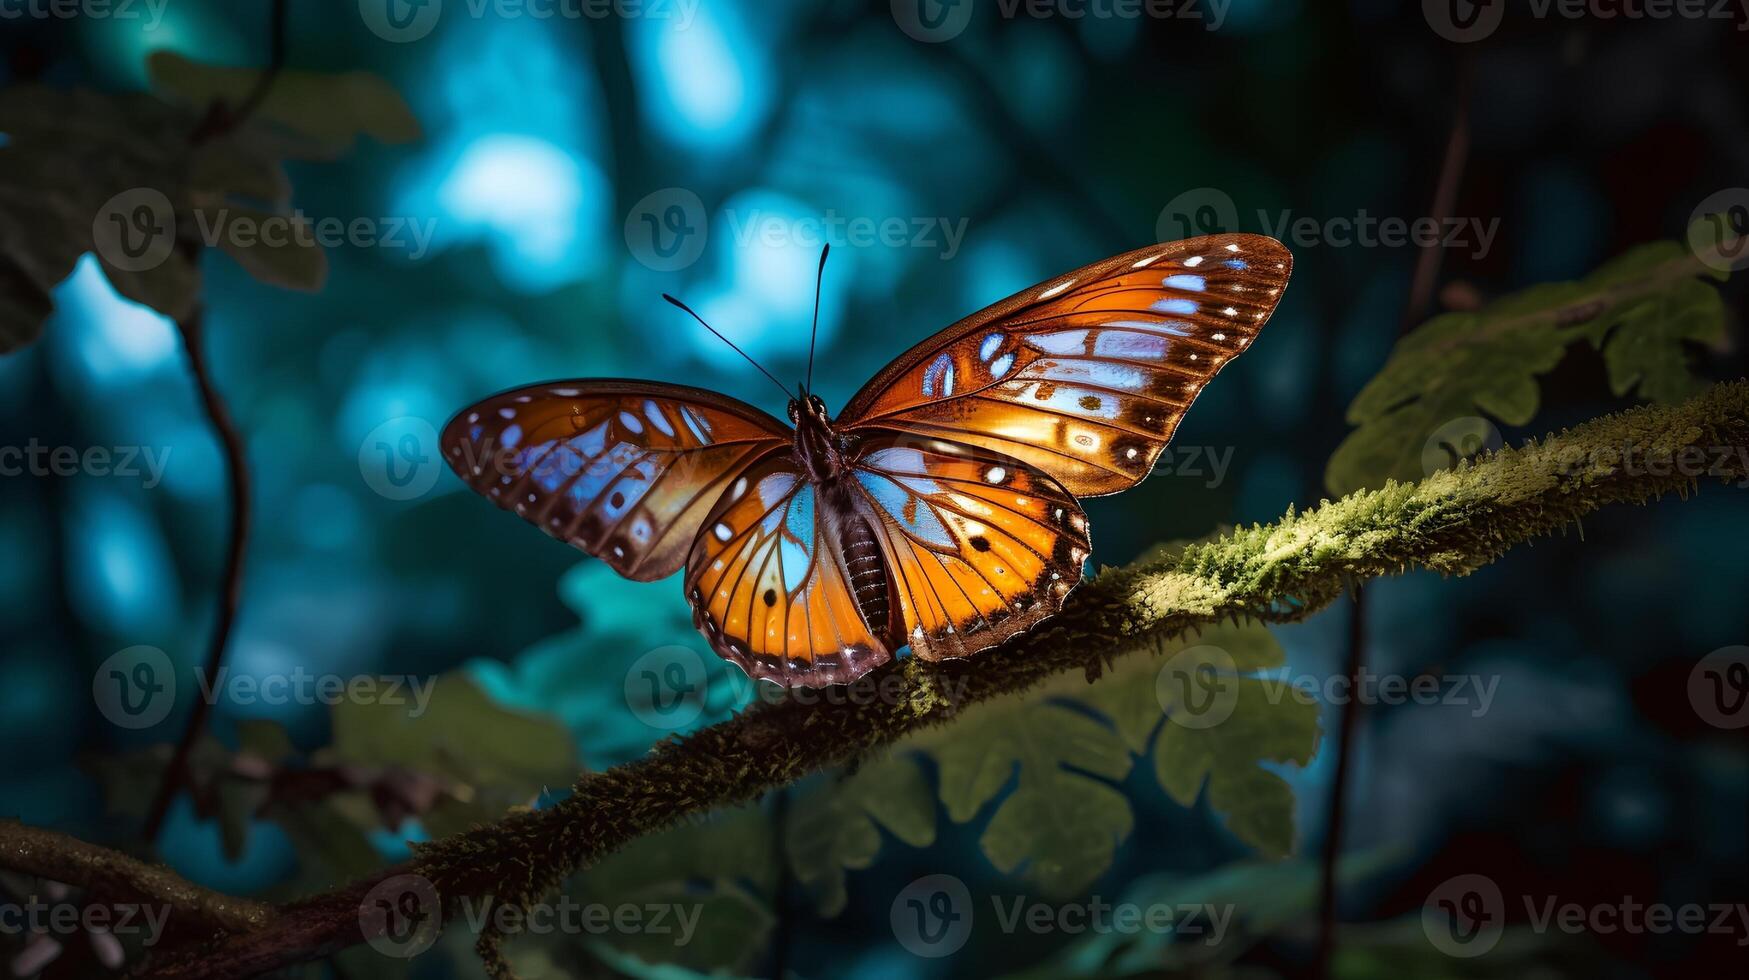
(572,169)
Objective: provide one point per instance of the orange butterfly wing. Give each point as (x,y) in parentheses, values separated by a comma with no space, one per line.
(979,545)
(623,470)
(1085,376)
(976,547)
(769,587)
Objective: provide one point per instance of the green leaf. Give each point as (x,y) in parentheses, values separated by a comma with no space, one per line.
(266,740)
(1639,310)
(462,735)
(838,827)
(293,260)
(719,929)
(1259,899)
(1645,350)
(1061,825)
(334,109)
(171,287)
(1259,721)
(331,846)
(731,853)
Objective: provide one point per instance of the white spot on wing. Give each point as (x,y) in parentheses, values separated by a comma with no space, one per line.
(1057,289)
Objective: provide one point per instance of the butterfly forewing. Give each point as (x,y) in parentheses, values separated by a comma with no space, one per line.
(623,470)
(979,546)
(1086,376)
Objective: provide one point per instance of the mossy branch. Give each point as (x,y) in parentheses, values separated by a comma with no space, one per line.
(1453,522)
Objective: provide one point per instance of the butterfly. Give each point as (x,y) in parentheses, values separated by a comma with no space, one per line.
(938,509)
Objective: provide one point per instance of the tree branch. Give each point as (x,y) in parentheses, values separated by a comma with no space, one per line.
(58,857)
(1454,522)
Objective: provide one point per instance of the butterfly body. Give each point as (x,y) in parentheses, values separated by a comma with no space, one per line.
(938,511)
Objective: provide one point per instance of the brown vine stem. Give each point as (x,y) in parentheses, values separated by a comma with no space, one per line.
(1453,522)
(58,857)
(218,122)
(1421,286)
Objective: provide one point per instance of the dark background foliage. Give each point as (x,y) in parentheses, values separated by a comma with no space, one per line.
(1056,141)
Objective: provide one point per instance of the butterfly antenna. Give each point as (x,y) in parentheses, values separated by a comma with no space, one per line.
(731,343)
(814,331)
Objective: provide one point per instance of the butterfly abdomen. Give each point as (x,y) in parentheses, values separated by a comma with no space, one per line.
(868,576)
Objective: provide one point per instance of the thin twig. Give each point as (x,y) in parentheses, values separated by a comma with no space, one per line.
(218,122)
(221,119)
(1453,522)
(237,475)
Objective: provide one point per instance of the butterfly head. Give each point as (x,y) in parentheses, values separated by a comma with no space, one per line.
(810,406)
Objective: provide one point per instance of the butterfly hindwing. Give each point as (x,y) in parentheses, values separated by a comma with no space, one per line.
(1086,375)
(769,586)
(623,470)
(978,545)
